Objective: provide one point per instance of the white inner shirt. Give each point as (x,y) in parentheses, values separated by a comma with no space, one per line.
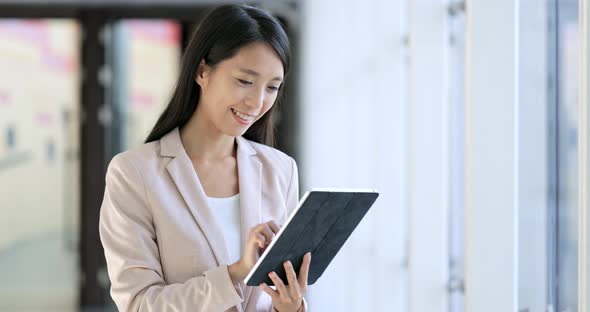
(227,213)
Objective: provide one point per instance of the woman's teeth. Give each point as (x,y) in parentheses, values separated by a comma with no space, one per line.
(242,116)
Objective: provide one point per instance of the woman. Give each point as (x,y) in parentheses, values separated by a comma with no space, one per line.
(186,215)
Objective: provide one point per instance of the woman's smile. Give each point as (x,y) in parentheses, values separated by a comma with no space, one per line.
(243,119)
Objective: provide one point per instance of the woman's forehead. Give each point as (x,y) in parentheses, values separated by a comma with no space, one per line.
(257,59)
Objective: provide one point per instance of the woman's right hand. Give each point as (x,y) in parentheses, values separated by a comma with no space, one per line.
(259,237)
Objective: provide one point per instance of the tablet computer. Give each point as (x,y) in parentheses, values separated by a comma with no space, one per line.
(321,224)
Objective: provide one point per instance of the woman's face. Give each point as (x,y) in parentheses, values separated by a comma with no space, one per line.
(239,90)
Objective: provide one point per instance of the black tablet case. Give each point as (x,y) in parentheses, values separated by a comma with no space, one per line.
(321,225)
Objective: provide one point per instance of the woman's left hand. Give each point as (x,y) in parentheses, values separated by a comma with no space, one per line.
(289,298)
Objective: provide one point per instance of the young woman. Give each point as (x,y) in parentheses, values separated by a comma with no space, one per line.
(186,215)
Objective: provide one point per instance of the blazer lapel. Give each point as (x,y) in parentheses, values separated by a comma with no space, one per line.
(187,182)
(249,180)
(185,177)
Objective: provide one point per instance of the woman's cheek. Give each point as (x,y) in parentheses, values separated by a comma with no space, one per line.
(268,105)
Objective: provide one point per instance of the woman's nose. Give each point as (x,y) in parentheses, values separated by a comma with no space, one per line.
(256,99)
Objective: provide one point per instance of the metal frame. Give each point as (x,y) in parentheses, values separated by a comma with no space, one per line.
(552,155)
(456,235)
(91,161)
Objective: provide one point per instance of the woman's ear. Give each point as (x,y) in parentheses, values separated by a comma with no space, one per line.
(202,74)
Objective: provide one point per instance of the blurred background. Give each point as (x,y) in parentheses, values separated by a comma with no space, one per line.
(463,114)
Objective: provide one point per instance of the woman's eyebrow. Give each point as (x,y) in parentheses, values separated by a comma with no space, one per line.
(254,73)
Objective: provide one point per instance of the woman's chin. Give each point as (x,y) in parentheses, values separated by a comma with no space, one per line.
(236,132)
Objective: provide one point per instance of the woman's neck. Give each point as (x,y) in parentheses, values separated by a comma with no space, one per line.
(203,142)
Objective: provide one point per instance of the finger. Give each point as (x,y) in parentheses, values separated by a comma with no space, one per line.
(265,230)
(292,278)
(281,288)
(260,240)
(271,292)
(304,271)
(273,226)
(255,238)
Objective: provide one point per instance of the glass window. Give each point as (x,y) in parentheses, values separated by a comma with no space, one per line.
(144,57)
(39,168)
(547,148)
(567,155)
(534,156)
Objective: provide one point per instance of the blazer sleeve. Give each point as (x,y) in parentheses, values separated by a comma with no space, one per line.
(128,236)
(291,203)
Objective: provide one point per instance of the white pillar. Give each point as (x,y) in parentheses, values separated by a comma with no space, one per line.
(491,156)
(428,156)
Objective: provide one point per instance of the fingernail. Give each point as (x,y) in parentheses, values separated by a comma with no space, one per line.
(288,263)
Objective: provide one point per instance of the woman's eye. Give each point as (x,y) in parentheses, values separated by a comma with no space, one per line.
(272,88)
(245,82)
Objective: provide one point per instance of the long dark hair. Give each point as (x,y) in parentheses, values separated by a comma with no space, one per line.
(219,36)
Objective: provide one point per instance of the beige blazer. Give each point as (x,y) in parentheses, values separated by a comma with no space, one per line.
(164,250)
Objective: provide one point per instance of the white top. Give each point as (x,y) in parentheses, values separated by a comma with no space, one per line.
(227,213)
